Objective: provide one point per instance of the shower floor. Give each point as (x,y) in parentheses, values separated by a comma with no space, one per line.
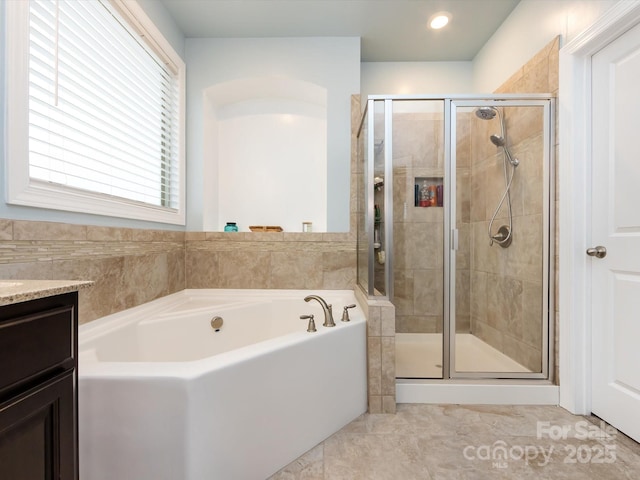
(419,355)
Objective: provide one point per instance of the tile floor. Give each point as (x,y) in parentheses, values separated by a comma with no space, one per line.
(438,442)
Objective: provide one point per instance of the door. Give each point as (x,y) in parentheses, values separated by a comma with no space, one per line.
(499,313)
(417,204)
(615,295)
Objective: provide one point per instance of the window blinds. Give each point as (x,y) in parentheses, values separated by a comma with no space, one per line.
(103,108)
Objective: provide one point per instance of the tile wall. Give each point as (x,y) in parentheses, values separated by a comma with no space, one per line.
(270,260)
(418,141)
(541,75)
(510,320)
(498,291)
(118,260)
(418,144)
(506,283)
(121,260)
(128,266)
(381,353)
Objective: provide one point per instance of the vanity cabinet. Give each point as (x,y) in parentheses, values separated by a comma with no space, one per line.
(38,395)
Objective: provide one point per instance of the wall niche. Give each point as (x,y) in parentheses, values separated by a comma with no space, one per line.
(266,139)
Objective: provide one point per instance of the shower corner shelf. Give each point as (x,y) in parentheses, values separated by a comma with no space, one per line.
(435,191)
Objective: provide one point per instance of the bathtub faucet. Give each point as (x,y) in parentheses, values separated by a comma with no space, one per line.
(328,314)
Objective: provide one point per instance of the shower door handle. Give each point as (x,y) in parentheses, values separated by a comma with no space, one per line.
(598,252)
(454,239)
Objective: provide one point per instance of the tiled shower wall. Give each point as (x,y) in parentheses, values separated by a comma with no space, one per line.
(418,142)
(540,75)
(502,288)
(512,323)
(506,283)
(418,146)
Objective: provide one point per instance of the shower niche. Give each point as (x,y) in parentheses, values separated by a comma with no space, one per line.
(428,192)
(466,221)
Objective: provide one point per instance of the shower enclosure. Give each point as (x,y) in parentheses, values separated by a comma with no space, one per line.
(454,228)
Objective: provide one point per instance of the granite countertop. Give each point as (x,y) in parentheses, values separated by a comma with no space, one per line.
(15,291)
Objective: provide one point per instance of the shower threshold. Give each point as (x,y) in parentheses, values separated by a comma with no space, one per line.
(419,355)
(419,374)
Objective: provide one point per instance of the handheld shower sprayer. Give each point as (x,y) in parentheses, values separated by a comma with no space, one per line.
(504,236)
(499,141)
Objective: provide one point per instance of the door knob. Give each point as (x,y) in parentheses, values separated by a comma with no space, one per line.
(598,252)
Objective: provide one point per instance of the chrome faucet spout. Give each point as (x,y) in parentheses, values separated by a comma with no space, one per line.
(326,308)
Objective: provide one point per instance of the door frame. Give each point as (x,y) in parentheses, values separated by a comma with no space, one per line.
(574,219)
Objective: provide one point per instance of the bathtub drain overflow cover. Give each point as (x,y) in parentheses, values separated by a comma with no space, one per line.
(216,323)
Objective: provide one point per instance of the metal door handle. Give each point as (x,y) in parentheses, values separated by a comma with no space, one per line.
(598,252)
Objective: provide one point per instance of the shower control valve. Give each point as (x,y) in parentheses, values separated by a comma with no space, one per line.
(345,312)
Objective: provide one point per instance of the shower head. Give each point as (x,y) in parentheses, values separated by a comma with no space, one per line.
(486,113)
(497,140)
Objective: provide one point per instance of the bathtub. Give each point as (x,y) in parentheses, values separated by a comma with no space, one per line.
(162,395)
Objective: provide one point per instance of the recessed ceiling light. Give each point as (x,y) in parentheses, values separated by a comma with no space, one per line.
(439,20)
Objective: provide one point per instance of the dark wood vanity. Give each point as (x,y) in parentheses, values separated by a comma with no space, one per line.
(38,388)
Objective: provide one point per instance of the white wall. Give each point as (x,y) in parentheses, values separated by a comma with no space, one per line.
(394,78)
(156,11)
(274,155)
(531,25)
(330,62)
(162,19)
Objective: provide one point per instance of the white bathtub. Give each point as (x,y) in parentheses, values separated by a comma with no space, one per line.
(164,396)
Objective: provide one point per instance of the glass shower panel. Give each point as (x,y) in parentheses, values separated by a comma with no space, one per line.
(379,195)
(500,166)
(361,203)
(418,231)
(371,199)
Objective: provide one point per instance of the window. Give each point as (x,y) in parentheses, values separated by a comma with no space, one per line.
(95,107)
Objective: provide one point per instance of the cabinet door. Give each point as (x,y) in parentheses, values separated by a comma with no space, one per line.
(37,431)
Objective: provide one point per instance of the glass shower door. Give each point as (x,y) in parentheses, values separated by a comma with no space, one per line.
(499,312)
(418,163)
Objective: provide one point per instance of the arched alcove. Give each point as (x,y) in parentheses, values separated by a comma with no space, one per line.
(265,145)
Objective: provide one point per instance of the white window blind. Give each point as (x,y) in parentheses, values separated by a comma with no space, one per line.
(103,107)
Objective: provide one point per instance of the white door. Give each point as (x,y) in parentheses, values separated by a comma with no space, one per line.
(615,207)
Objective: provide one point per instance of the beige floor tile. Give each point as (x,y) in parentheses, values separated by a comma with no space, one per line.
(471,442)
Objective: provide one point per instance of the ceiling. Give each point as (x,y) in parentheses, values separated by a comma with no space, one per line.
(391,30)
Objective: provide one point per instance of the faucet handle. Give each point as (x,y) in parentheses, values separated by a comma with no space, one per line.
(312,324)
(345,312)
